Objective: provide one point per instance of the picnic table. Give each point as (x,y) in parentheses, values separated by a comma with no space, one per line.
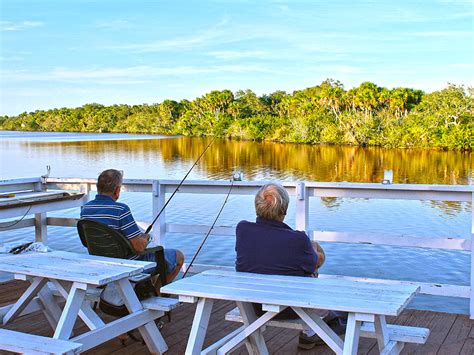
(364,302)
(72,275)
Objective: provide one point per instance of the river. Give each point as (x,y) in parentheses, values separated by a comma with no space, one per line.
(26,154)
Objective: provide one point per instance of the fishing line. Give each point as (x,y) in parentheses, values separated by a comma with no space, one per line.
(17,221)
(210,229)
(177,188)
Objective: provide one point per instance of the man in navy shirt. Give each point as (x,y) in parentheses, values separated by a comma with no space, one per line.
(105,209)
(269,246)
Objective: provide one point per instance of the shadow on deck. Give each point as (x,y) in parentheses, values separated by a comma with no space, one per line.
(450,333)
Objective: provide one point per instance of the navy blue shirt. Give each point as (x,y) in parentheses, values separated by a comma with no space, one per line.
(272,247)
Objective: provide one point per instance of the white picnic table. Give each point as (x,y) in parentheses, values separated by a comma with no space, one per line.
(72,274)
(365,302)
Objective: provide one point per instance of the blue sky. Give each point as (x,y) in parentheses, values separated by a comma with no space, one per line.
(68,53)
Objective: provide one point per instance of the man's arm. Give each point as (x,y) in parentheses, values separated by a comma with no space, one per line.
(130,230)
(140,242)
(320,252)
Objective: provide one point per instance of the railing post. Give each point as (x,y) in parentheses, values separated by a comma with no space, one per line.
(85,189)
(302,207)
(471,298)
(41,228)
(41,220)
(159,229)
(40,186)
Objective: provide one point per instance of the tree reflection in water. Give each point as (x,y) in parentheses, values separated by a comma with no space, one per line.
(264,160)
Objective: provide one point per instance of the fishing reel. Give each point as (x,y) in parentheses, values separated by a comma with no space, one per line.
(237,176)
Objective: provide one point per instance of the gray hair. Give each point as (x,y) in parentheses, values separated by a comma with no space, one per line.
(271,201)
(108,181)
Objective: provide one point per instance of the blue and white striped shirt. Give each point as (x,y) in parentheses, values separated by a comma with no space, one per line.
(116,215)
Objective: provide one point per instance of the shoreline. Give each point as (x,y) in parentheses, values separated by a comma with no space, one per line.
(117,136)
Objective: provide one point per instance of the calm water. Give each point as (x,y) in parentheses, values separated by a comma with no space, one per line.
(26,154)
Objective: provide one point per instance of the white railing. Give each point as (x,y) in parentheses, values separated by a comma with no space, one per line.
(302,192)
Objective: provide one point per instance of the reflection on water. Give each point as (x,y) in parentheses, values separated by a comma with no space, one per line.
(170,158)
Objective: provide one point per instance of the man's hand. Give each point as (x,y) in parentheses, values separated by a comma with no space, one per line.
(321,255)
(140,242)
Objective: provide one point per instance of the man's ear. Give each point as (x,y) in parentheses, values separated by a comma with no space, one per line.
(117,191)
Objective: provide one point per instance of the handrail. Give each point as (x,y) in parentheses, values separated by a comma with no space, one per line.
(329,185)
(302,192)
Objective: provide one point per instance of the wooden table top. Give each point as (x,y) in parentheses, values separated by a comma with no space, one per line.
(84,268)
(306,292)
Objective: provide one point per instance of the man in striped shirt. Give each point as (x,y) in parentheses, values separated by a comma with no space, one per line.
(105,209)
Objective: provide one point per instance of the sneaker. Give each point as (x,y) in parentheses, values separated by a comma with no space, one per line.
(308,342)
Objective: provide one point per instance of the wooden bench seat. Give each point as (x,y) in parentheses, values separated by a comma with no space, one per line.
(403,333)
(400,333)
(35,344)
(93,295)
(160,303)
(155,303)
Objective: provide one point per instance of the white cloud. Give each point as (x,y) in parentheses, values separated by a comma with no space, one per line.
(338,70)
(239,54)
(406,15)
(130,75)
(284,9)
(441,33)
(467,66)
(113,25)
(19,26)
(164,45)
(203,38)
(293,41)
(456,2)
(11,59)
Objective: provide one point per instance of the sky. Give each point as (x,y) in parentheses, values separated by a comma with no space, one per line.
(68,53)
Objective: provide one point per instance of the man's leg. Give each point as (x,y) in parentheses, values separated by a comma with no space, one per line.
(308,338)
(174,258)
(322,313)
(174,261)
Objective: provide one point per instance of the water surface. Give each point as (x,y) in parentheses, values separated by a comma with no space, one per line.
(26,154)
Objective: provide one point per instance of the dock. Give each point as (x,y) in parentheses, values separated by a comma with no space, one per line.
(450,333)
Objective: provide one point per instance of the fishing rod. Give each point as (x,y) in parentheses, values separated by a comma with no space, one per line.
(235,177)
(179,185)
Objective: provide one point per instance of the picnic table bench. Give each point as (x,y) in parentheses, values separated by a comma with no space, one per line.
(34,344)
(402,333)
(366,303)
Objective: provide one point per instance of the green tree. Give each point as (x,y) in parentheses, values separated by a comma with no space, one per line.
(332,94)
(249,104)
(273,101)
(324,113)
(366,97)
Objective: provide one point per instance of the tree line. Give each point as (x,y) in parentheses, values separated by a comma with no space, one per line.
(367,115)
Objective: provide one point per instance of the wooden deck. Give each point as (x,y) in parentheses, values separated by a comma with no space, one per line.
(450,334)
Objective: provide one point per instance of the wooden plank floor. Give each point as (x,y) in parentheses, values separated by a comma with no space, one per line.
(450,334)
